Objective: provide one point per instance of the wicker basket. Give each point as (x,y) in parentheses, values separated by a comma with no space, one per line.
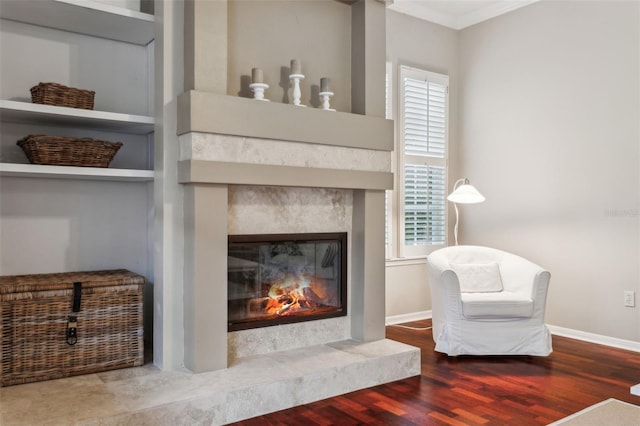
(59,95)
(66,151)
(36,313)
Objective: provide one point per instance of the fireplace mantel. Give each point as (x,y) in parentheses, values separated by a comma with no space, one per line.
(199,171)
(206,112)
(356,147)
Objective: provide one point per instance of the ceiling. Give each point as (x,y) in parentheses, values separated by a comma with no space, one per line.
(456,14)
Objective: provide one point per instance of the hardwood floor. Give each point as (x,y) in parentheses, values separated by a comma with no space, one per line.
(479,390)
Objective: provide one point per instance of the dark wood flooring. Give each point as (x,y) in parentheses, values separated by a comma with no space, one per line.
(468,390)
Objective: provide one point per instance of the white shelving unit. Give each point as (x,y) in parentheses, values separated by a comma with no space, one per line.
(89,18)
(35,114)
(66,172)
(28,113)
(77,218)
(83,17)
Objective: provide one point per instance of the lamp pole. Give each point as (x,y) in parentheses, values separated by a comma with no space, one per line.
(455,206)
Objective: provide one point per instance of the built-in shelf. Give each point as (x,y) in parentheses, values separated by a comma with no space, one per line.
(83,17)
(80,173)
(28,113)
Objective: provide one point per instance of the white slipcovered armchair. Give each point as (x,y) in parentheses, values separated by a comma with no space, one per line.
(487,302)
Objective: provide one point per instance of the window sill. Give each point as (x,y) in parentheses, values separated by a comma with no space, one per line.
(405,261)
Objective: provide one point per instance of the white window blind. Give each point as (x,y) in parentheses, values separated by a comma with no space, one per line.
(424,204)
(424,123)
(423,111)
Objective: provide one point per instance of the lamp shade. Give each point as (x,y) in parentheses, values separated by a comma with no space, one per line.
(465,194)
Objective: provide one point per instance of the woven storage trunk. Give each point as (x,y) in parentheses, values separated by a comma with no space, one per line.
(37,313)
(60,95)
(67,151)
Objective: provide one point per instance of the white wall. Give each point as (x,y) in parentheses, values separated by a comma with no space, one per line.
(549,134)
(431,47)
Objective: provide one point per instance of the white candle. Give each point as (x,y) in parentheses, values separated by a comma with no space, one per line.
(296,68)
(324,84)
(256,75)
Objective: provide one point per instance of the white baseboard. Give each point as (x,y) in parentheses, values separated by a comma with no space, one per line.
(414,316)
(600,339)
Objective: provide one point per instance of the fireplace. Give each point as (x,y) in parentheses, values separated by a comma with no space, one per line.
(284,278)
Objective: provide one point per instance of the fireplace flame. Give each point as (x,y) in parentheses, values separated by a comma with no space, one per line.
(293,295)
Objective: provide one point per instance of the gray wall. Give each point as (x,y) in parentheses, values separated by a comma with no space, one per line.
(431,47)
(268,34)
(549,134)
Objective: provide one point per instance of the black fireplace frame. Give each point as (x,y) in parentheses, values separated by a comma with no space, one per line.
(340,237)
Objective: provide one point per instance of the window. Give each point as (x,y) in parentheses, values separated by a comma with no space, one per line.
(422,162)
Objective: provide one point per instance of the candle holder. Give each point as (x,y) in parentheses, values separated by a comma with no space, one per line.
(325,100)
(258,91)
(296,78)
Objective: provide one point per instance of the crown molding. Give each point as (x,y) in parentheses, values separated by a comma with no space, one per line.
(421,10)
(486,13)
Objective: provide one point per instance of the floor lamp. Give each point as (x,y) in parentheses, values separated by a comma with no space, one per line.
(463,193)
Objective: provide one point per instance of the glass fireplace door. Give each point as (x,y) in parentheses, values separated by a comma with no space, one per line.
(276,279)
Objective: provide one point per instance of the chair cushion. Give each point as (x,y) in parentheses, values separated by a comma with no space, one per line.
(478,277)
(504,304)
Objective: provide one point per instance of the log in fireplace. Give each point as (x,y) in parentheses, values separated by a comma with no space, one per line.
(283,278)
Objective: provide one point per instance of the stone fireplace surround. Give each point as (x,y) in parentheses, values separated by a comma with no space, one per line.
(260,178)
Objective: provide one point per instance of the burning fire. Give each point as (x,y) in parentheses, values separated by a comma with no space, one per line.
(293,296)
